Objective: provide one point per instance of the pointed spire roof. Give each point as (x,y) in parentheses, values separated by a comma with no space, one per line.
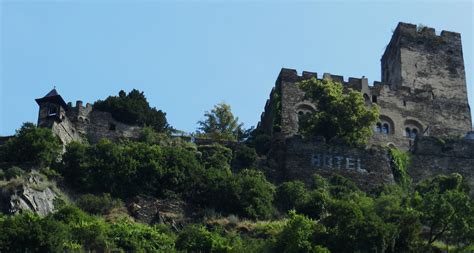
(53,97)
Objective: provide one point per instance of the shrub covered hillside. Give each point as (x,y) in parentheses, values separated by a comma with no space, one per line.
(230,203)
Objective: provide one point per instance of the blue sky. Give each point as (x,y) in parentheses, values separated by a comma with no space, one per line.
(189,56)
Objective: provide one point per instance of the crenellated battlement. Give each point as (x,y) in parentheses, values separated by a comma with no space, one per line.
(291,76)
(424,31)
(422,87)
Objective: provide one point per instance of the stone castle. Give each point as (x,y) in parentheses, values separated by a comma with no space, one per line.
(80,123)
(422,93)
(424,110)
(422,98)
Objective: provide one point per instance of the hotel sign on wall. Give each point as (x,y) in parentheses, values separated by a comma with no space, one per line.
(337,162)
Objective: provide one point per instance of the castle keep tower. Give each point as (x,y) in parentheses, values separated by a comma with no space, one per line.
(418,59)
(423,91)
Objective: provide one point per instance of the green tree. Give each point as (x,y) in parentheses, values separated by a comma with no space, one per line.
(31,144)
(253,194)
(130,168)
(446,209)
(298,235)
(339,113)
(135,237)
(133,108)
(220,124)
(197,238)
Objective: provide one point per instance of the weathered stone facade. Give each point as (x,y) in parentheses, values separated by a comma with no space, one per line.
(80,123)
(368,168)
(423,90)
(422,95)
(432,156)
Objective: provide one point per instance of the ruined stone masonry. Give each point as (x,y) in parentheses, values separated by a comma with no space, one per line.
(422,94)
(80,123)
(422,98)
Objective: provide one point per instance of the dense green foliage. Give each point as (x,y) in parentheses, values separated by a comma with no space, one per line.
(131,168)
(400,162)
(70,229)
(133,108)
(31,144)
(346,220)
(220,124)
(97,204)
(339,114)
(245,211)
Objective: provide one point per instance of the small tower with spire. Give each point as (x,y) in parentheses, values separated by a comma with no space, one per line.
(52,108)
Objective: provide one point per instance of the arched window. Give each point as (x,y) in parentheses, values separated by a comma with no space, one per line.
(413,128)
(378,127)
(411,132)
(385,128)
(382,128)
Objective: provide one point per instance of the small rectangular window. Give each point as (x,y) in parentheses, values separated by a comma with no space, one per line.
(53,110)
(374,99)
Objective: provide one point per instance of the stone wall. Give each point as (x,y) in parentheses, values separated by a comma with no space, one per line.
(81,124)
(368,168)
(433,156)
(424,90)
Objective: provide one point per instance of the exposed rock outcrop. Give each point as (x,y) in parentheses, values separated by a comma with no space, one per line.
(151,210)
(29,193)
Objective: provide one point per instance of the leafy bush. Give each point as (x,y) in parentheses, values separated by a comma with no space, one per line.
(133,108)
(298,236)
(31,144)
(198,239)
(134,237)
(291,195)
(244,157)
(13,172)
(252,194)
(97,204)
(130,168)
(215,156)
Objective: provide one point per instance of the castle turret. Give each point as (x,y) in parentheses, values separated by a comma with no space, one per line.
(51,108)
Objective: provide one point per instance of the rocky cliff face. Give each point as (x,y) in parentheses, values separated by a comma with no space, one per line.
(28,193)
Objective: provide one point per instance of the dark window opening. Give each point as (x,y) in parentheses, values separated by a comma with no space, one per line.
(112,127)
(300,113)
(385,128)
(404,103)
(378,127)
(53,110)
(414,132)
(374,99)
(411,133)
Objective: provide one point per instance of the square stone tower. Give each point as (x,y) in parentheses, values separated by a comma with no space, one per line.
(418,59)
